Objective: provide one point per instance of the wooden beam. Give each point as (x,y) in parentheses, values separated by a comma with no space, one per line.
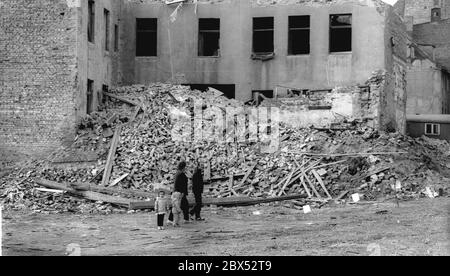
(93,196)
(319,179)
(311,185)
(225,202)
(111,156)
(120,99)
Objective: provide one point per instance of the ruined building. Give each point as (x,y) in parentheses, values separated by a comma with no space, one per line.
(345,59)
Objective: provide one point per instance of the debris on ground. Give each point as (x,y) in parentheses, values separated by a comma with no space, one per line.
(128,146)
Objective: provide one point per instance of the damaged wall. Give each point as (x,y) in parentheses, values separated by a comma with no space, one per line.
(420,10)
(38,71)
(177,50)
(428,88)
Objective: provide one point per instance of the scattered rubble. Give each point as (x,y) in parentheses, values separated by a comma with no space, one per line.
(318,165)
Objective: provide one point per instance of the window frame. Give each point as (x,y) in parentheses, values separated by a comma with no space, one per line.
(433,132)
(200,31)
(107,22)
(91,21)
(155,31)
(254,31)
(290,30)
(331,28)
(116,37)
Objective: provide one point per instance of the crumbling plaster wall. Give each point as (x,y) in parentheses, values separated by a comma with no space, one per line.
(38,72)
(177,45)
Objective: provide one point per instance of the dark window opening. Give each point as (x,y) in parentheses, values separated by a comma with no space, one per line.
(228,90)
(146,37)
(435,14)
(341,33)
(90,96)
(91,21)
(263,35)
(209,37)
(116,38)
(107,18)
(299,32)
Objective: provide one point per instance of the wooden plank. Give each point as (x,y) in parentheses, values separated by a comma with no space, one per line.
(305,187)
(231,184)
(248,174)
(120,99)
(287,181)
(225,202)
(111,156)
(319,179)
(348,154)
(311,185)
(117,181)
(94,196)
(96,188)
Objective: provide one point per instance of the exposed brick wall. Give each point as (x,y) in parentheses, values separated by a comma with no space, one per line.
(37,75)
(421,9)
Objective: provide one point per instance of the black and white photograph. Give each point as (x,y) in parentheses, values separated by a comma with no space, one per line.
(242,129)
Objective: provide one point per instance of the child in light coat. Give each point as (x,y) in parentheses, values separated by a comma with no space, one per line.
(176,208)
(161,208)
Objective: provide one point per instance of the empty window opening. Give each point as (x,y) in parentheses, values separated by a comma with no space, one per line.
(341,33)
(432,129)
(209,37)
(228,90)
(116,38)
(263,35)
(260,95)
(435,14)
(90,96)
(299,32)
(91,21)
(107,18)
(146,37)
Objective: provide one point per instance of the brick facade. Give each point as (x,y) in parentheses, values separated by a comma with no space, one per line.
(421,10)
(38,48)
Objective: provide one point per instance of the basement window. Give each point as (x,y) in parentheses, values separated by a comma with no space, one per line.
(116,38)
(91,21)
(263,35)
(209,37)
(146,37)
(107,18)
(89,96)
(340,33)
(299,31)
(433,129)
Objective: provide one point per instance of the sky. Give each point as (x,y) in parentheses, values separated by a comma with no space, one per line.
(392,2)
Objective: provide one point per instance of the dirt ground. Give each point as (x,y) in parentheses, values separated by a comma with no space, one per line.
(415,228)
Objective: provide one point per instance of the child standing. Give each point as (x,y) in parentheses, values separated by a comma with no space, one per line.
(176,208)
(161,208)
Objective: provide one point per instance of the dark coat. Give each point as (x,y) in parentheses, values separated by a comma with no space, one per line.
(181,183)
(197,182)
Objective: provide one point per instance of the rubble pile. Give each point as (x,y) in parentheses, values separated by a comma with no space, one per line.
(322,164)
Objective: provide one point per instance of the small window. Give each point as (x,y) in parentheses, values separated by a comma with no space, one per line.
(299,31)
(263,35)
(432,129)
(107,18)
(146,37)
(90,96)
(116,38)
(91,21)
(341,33)
(209,37)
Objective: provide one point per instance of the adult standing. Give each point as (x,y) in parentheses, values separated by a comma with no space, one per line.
(181,185)
(197,189)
